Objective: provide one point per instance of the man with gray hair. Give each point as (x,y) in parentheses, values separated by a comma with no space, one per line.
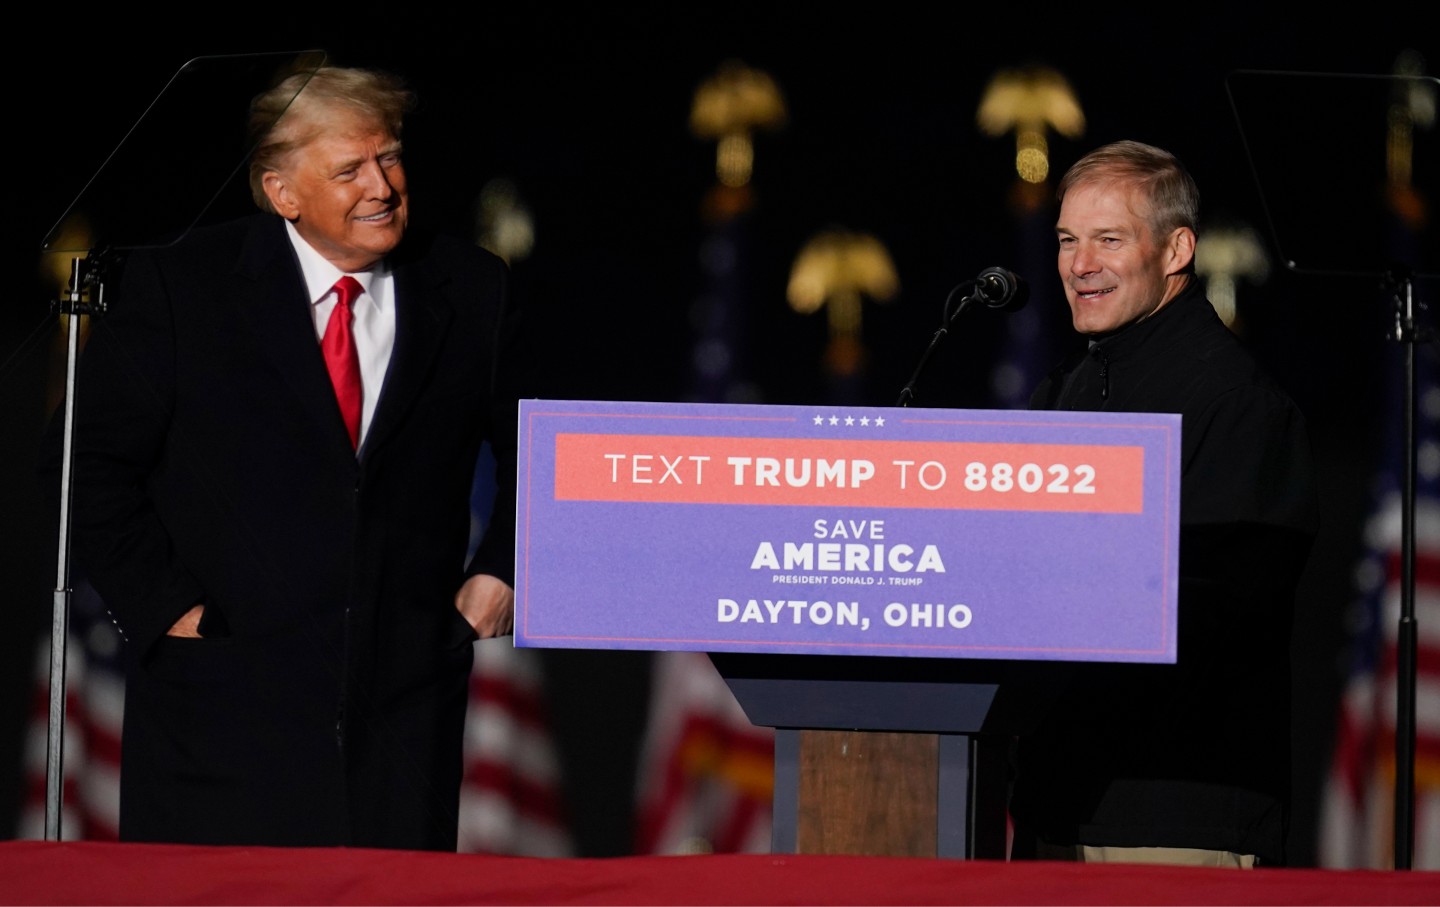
(1190,762)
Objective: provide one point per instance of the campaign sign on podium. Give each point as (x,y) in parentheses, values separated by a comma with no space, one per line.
(929,533)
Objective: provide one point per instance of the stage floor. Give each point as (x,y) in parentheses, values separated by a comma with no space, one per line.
(43,872)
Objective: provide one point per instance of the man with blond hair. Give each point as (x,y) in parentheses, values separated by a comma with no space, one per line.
(276,433)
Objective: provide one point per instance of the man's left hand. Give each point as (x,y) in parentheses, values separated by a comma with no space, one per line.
(488,603)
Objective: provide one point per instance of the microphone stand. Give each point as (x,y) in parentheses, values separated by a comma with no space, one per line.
(85,296)
(116,190)
(907,393)
(1406,332)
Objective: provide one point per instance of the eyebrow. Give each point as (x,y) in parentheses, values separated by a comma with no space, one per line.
(352,163)
(1096,232)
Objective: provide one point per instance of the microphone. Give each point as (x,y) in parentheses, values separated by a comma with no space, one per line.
(1002,289)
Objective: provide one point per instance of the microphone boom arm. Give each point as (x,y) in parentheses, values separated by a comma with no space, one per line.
(997,288)
(907,393)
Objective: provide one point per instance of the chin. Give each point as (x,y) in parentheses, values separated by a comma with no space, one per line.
(385,243)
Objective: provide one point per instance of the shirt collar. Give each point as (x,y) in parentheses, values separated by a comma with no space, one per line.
(320,275)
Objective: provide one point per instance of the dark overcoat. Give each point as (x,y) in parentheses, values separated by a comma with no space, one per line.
(325,703)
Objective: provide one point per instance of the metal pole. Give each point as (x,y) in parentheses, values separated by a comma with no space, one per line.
(60,618)
(1406,631)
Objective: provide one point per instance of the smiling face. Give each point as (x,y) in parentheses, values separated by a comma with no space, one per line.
(344,191)
(1116,271)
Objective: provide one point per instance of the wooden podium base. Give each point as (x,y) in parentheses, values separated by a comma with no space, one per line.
(888,757)
(890,794)
(868,794)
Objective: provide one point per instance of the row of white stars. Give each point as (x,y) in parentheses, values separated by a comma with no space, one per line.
(878,421)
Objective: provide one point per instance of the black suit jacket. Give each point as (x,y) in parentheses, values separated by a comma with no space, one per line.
(325,704)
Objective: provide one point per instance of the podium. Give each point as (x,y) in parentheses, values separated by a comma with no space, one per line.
(896,592)
(889,756)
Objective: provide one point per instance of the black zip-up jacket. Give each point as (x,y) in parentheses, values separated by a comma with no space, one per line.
(1195,754)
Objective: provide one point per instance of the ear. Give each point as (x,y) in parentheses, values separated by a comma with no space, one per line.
(277,190)
(1181,250)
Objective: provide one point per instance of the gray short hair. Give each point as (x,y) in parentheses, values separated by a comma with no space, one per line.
(1166,184)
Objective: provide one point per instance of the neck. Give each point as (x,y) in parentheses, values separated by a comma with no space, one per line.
(1174,284)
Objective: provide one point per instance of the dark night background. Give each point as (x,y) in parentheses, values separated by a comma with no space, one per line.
(585,110)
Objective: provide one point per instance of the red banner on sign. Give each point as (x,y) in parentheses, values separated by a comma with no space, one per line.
(678,469)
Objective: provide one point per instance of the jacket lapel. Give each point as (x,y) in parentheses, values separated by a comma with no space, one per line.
(273,306)
(423,311)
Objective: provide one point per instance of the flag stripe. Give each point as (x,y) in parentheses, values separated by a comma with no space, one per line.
(707,773)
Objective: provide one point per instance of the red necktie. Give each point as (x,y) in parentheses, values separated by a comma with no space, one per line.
(340,356)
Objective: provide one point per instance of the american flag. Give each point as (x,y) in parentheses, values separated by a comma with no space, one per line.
(1028,347)
(1358,811)
(90,751)
(706,773)
(511,798)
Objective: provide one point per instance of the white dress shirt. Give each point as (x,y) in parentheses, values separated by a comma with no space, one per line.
(374,316)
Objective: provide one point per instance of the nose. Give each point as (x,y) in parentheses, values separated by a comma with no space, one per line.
(376,181)
(1083,261)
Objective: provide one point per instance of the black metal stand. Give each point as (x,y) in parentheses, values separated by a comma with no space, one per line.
(1408,333)
(84,297)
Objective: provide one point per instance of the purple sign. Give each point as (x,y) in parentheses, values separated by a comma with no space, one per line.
(932,533)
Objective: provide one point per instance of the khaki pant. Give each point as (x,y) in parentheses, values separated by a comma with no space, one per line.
(1176,856)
